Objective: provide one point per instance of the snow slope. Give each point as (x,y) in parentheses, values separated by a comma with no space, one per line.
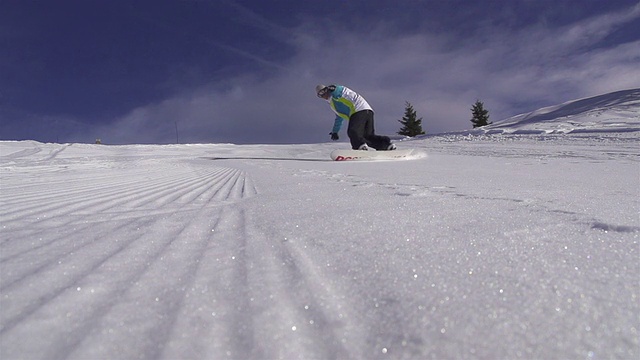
(500,247)
(614,112)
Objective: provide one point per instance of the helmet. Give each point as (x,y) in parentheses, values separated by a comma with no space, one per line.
(322,90)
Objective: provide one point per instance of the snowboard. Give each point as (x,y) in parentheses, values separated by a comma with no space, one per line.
(351,155)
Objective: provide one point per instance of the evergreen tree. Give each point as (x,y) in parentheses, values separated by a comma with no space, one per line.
(411,124)
(480,115)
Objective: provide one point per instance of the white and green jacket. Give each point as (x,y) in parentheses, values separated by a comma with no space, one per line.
(345,102)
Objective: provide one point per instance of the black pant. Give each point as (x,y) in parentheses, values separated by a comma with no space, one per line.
(361,131)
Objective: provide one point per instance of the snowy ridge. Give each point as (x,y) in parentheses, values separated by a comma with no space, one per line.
(490,247)
(614,112)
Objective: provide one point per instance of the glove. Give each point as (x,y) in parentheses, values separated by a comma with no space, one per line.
(334,136)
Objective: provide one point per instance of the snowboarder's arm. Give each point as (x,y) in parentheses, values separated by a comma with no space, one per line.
(337,124)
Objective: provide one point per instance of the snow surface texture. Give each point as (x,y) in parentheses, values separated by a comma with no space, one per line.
(491,247)
(529,250)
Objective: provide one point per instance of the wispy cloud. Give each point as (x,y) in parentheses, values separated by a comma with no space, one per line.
(590,31)
(250,18)
(238,52)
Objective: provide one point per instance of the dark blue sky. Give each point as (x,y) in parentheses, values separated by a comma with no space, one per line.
(244,71)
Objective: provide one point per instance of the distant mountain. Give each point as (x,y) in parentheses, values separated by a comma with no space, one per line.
(614,112)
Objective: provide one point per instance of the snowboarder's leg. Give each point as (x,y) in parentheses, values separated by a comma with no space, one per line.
(378,142)
(356,130)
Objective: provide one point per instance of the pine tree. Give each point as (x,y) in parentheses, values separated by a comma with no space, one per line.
(480,115)
(411,124)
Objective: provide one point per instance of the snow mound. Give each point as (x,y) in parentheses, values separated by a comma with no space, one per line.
(613,112)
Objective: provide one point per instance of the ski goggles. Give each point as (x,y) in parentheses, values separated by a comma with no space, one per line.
(323,92)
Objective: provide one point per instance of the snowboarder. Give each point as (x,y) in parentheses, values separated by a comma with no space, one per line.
(350,106)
